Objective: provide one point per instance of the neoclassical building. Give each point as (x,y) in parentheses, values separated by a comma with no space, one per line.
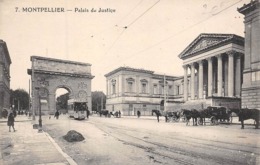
(5,62)
(214,63)
(130,90)
(251,73)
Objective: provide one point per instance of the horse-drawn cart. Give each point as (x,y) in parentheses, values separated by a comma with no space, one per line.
(172,116)
(215,114)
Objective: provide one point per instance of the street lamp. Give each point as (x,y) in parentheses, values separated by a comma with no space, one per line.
(40,112)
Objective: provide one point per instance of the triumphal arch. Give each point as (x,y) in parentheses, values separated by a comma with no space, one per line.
(48,74)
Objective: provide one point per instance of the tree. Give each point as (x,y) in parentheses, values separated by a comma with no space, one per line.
(96,100)
(19,99)
(62,102)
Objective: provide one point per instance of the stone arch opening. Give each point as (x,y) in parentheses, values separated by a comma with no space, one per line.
(48,75)
(62,95)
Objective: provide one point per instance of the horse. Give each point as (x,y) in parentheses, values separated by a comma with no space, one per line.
(104,112)
(245,114)
(194,114)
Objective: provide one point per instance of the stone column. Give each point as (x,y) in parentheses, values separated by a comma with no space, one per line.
(192,85)
(210,76)
(238,76)
(200,79)
(220,75)
(231,73)
(185,90)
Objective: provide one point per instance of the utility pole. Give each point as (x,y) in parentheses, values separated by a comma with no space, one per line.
(164,92)
(18,105)
(33,108)
(101,101)
(29,97)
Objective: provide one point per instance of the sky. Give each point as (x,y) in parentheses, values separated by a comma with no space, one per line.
(144,34)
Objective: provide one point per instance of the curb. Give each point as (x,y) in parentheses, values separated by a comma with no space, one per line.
(66,156)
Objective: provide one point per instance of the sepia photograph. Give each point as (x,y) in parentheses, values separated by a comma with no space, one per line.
(140,82)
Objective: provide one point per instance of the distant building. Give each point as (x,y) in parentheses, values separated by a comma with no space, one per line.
(251,73)
(5,62)
(130,90)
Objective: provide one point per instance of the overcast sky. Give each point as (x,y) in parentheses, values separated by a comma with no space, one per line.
(148,34)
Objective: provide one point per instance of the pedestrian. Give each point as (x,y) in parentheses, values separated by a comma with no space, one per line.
(119,113)
(57,114)
(10,121)
(88,112)
(138,114)
(158,116)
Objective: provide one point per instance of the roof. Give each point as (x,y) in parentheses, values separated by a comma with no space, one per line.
(208,41)
(59,60)
(128,69)
(247,8)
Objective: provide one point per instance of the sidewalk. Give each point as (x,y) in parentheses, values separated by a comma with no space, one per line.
(162,118)
(28,147)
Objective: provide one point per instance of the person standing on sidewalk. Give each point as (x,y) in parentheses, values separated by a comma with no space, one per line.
(57,114)
(10,121)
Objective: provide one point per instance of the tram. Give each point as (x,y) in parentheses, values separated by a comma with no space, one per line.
(77,109)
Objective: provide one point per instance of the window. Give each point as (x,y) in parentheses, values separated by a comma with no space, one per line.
(177,90)
(144,83)
(256,76)
(143,87)
(154,89)
(113,86)
(161,89)
(129,86)
(170,90)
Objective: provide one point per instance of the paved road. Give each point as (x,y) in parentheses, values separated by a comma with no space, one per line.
(138,141)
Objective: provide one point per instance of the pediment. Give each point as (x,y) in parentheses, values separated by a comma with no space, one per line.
(206,42)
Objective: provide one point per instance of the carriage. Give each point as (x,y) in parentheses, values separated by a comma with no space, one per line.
(215,114)
(172,116)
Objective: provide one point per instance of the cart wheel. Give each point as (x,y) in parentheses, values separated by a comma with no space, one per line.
(177,119)
(230,119)
(200,121)
(183,119)
(213,120)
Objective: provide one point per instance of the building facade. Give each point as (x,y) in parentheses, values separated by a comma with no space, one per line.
(213,65)
(217,60)
(251,73)
(130,90)
(5,62)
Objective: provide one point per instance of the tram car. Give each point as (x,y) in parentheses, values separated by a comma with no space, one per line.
(77,109)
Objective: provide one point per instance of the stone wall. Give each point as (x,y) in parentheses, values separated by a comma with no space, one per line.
(251,98)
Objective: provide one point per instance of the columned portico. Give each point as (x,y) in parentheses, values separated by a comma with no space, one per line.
(216,59)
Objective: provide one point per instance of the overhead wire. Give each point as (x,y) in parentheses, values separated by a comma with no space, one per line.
(125,27)
(176,34)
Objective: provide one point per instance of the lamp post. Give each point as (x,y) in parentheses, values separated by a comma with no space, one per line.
(40,112)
